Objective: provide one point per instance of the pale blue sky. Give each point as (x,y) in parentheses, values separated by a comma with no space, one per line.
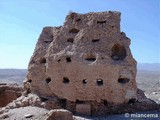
(21,22)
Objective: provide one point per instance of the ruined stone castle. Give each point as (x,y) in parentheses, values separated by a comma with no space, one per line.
(85,64)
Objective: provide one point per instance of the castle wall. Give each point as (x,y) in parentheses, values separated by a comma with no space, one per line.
(86,59)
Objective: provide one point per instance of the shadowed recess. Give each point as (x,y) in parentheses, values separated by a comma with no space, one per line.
(73,30)
(65,80)
(118,52)
(123,80)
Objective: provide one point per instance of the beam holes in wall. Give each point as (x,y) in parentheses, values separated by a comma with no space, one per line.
(84,81)
(132,101)
(105,102)
(48,80)
(47,41)
(68,59)
(59,60)
(78,19)
(73,30)
(43,99)
(29,81)
(71,40)
(65,80)
(99,82)
(101,22)
(42,60)
(90,58)
(118,52)
(79,102)
(123,80)
(95,40)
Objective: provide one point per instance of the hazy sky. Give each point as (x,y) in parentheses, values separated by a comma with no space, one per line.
(21,22)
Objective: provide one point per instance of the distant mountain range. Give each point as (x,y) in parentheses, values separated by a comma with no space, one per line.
(149,66)
(12,75)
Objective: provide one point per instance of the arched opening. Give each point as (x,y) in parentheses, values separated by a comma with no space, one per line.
(118,52)
(73,30)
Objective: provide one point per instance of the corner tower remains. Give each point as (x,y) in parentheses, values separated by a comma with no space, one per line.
(85,61)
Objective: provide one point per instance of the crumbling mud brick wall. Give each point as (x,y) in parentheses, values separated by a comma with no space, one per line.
(86,59)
